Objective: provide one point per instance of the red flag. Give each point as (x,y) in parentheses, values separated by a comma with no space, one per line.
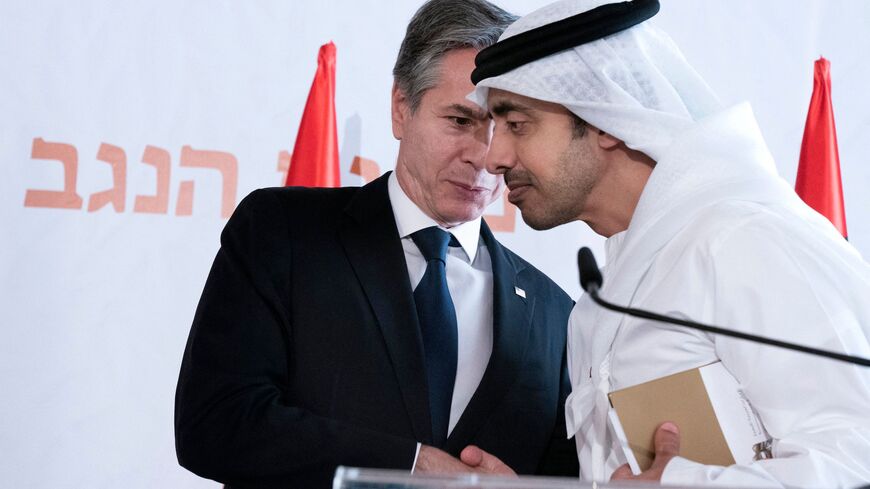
(818,179)
(315,156)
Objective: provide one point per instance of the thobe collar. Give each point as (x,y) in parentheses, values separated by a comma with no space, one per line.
(613,245)
(410,219)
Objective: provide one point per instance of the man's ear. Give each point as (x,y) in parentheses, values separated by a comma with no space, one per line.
(607,141)
(400,111)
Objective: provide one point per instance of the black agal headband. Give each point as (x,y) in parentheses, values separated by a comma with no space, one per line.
(548,39)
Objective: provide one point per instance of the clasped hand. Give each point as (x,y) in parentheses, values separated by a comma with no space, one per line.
(472,459)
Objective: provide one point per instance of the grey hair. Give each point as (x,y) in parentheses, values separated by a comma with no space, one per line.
(438,27)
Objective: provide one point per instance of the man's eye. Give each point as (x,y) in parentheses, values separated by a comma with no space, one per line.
(461,121)
(515,126)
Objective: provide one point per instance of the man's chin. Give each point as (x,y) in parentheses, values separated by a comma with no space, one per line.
(540,223)
(457,217)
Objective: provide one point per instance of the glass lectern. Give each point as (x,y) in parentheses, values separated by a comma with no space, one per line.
(354,478)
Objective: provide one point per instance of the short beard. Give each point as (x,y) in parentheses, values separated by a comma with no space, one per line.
(566,196)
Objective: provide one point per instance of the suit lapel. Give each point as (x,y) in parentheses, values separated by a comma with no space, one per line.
(371,240)
(511,323)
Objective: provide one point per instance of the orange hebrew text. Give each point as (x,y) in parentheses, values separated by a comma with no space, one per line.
(184,205)
(366,168)
(284,165)
(505,223)
(223,162)
(158,203)
(61,199)
(116,195)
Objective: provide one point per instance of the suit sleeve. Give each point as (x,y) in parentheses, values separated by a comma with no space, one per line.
(560,458)
(234,422)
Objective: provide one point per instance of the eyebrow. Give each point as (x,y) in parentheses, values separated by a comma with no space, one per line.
(469,112)
(502,107)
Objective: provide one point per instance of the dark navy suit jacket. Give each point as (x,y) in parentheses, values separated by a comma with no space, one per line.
(305,351)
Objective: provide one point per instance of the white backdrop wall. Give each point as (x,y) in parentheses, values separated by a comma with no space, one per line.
(97,297)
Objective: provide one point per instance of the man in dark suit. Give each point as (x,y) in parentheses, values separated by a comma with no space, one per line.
(382,326)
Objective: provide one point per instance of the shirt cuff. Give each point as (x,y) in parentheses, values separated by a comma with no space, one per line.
(682,471)
(413,467)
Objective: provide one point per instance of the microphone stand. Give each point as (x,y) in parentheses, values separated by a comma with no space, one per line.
(593,292)
(591,281)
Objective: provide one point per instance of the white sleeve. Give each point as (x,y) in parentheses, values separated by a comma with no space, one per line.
(816,410)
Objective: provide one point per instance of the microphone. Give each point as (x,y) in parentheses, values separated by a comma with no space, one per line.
(591,281)
(590,275)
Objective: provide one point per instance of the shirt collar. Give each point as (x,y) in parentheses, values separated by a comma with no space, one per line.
(410,219)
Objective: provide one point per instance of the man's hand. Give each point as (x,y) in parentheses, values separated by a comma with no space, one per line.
(667,446)
(434,461)
(484,462)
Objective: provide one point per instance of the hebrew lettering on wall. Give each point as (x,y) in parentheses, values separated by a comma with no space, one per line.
(117,160)
(67,198)
(116,196)
(366,168)
(284,158)
(223,162)
(159,202)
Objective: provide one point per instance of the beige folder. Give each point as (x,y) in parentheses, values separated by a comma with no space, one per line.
(681,398)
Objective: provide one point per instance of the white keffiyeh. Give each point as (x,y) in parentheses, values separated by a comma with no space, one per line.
(634,84)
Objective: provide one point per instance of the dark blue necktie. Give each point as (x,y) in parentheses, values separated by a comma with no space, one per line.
(438,327)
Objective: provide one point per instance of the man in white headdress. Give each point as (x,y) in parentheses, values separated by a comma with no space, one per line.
(599,118)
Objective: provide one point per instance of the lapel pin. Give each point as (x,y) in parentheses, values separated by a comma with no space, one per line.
(520,292)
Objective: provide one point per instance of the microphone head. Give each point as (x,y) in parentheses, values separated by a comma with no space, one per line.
(589,272)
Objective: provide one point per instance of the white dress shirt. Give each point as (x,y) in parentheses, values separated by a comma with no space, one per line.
(469,279)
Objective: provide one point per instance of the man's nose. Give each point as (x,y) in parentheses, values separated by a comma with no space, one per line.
(501,156)
(476,148)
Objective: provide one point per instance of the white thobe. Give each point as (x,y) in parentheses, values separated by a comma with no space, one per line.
(720,242)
